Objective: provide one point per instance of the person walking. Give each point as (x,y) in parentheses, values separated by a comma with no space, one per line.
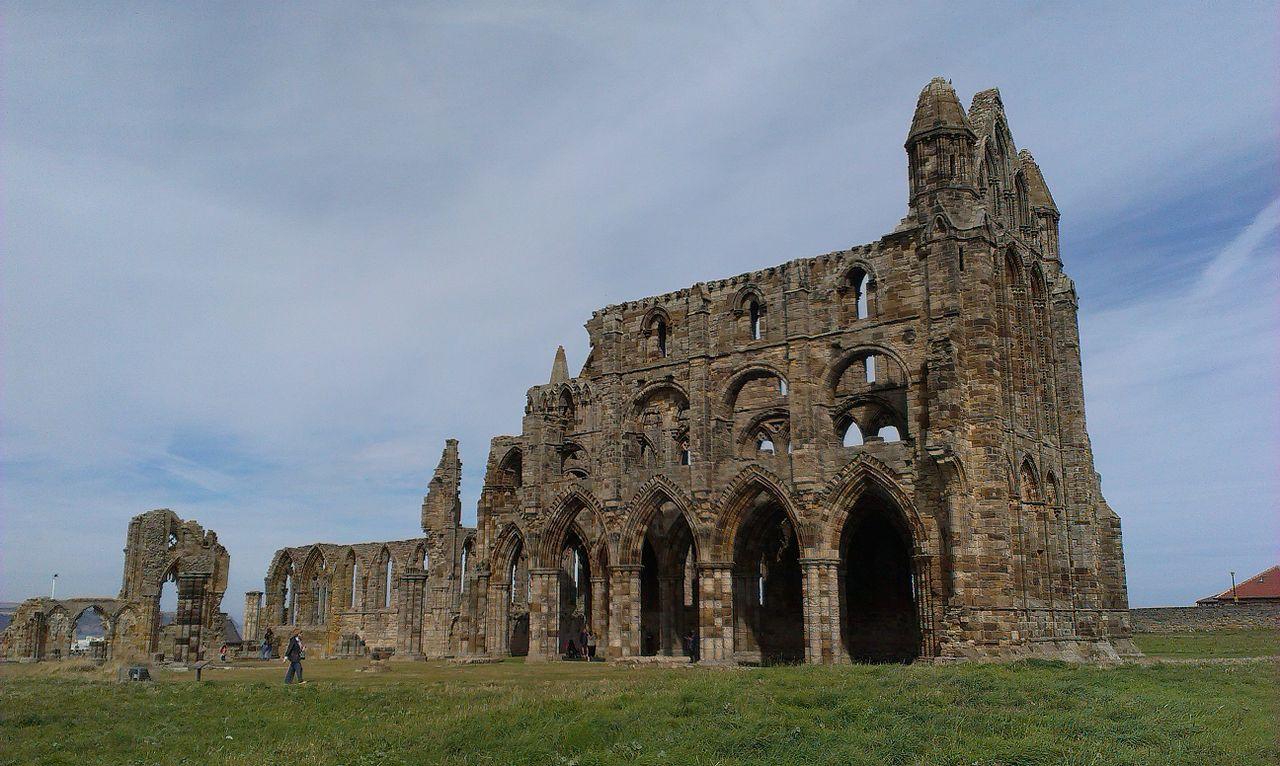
(268,639)
(294,655)
(591,646)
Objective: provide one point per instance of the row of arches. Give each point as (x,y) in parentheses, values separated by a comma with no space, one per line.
(307,594)
(755,558)
(864,398)
(98,631)
(754,319)
(1026,333)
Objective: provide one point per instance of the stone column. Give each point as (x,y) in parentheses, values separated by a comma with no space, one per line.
(544,608)
(412,608)
(480,612)
(624,616)
(821,610)
(715,612)
(599,618)
(252,616)
(668,628)
(190,619)
(498,643)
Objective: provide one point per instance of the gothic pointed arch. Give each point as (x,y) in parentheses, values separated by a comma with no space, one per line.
(563,511)
(1029,482)
(734,505)
(642,509)
(863,474)
(507,542)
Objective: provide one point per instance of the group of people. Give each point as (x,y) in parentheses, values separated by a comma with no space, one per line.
(584,648)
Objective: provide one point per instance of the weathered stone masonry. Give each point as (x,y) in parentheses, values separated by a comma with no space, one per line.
(877,454)
(160,548)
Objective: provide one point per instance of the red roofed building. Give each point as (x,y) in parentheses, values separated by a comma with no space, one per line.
(1262,587)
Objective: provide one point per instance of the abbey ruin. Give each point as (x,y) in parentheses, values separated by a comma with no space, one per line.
(161,550)
(874,455)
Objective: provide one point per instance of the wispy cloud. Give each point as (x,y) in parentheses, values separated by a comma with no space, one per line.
(1183,393)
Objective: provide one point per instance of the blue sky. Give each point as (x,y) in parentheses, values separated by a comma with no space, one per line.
(260,262)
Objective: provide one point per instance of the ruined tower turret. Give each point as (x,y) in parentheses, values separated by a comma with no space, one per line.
(940,145)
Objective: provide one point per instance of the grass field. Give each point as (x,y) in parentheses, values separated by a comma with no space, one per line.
(570,713)
(1233,643)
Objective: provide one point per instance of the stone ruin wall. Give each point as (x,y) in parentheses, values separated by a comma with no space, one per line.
(1253,615)
(400,597)
(159,548)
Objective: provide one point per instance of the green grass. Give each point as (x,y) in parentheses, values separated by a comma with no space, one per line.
(1233,643)
(570,713)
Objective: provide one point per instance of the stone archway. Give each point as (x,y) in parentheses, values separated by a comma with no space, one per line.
(574,591)
(768,584)
(668,584)
(879,616)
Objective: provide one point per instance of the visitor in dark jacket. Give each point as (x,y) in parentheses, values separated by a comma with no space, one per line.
(293,655)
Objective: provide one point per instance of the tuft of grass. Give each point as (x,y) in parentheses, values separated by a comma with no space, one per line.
(571,713)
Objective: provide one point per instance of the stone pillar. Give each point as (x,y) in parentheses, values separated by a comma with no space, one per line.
(544,608)
(190,620)
(743,613)
(599,619)
(821,610)
(410,611)
(715,612)
(624,615)
(480,612)
(252,616)
(498,643)
(668,627)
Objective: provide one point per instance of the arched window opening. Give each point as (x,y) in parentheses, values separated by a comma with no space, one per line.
(662,338)
(763,575)
(387,586)
(764,444)
(870,364)
(755,320)
(782,386)
(852,435)
(889,434)
(684,452)
(89,637)
(511,473)
(355,584)
(668,584)
(466,561)
(859,283)
(573,461)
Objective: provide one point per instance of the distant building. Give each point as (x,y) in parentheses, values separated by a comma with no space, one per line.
(1263,587)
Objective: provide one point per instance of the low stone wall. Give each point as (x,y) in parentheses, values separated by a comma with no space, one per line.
(1190,619)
